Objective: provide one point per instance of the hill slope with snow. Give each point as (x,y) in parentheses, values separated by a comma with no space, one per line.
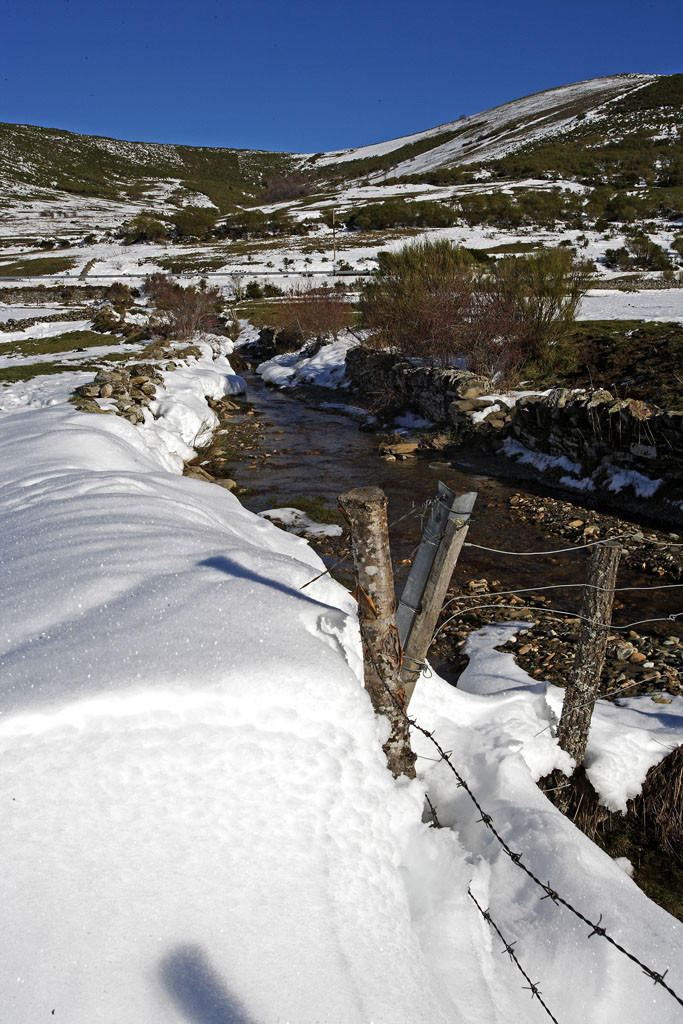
(501,129)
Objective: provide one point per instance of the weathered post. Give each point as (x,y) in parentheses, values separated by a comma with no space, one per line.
(366,511)
(584,682)
(425,590)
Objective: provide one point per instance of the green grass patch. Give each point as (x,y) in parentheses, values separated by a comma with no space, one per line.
(630,358)
(67,342)
(27,371)
(314,507)
(37,268)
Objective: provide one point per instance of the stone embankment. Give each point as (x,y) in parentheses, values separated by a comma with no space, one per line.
(580,440)
(129,390)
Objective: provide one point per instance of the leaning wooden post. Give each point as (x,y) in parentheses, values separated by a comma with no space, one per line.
(366,511)
(584,681)
(425,590)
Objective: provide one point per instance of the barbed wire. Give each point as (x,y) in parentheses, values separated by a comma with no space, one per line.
(342,558)
(508,947)
(579,707)
(486,819)
(416,510)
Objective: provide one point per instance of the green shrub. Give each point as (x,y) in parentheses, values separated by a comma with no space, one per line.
(425,302)
(256,224)
(646,254)
(397,213)
(143,228)
(254,290)
(195,221)
(618,259)
(432,301)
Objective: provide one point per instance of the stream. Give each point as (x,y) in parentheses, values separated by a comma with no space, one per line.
(313,452)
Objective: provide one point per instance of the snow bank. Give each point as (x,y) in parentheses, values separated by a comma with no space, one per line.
(296,521)
(496,725)
(199,826)
(325,369)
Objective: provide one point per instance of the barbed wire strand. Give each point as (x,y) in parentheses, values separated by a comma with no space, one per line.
(508,947)
(417,510)
(600,696)
(516,857)
(342,558)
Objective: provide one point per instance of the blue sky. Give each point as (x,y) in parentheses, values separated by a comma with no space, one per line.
(308,76)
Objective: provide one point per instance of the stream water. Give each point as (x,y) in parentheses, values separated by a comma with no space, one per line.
(320,453)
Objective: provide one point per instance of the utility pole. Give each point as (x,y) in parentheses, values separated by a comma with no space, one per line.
(334,241)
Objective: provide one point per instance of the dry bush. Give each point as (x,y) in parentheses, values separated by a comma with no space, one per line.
(294,186)
(546,289)
(434,302)
(187,311)
(314,313)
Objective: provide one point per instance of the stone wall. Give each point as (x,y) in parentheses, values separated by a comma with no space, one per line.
(613,445)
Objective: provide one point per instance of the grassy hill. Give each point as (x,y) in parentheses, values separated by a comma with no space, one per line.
(84,165)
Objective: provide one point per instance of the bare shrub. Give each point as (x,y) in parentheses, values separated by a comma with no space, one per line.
(315,313)
(434,302)
(546,290)
(188,310)
(293,186)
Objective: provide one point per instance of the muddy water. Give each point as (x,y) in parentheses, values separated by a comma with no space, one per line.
(322,453)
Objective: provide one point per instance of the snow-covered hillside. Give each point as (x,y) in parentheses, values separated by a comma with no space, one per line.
(501,129)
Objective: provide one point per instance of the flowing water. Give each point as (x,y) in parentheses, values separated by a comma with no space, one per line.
(321,453)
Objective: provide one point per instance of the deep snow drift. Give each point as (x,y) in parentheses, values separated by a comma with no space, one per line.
(199,827)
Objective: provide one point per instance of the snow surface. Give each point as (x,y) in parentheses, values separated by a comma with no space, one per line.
(296,521)
(663,305)
(199,825)
(9,312)
(325,369)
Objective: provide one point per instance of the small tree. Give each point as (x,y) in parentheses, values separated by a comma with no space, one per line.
(143,228)
(434,301)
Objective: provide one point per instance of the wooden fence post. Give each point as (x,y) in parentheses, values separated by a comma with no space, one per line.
(430,576)
(366,511)
(584,682)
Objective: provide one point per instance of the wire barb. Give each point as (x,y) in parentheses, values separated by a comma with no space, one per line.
(509,948)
